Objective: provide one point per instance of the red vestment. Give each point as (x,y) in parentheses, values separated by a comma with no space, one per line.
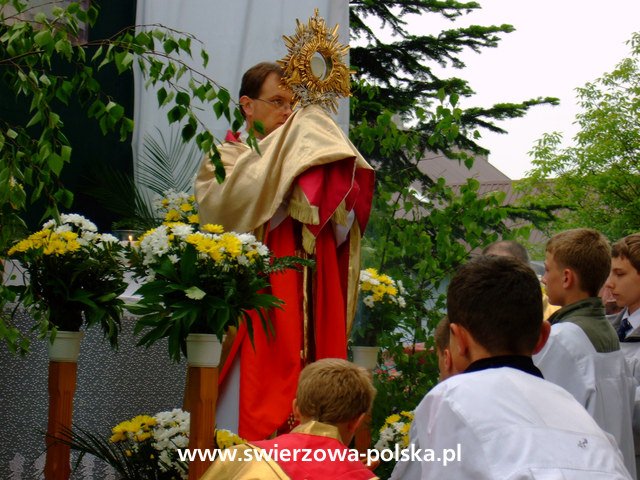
(309,166)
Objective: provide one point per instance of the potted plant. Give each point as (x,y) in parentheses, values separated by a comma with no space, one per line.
(74,276)
(195,285)
(380,303)
(200,282)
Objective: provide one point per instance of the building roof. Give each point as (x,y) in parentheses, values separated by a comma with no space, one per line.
(455,172)
(491,179)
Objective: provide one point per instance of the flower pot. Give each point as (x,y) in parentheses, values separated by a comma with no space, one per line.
(65,347)
(203,350)
(366,357)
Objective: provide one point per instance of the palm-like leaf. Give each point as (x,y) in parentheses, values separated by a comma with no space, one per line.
(163,165)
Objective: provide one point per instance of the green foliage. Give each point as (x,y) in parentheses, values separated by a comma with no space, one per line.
(44,69)
(595,181)
(420,229)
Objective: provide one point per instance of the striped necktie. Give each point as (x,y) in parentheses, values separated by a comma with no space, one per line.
(623,329)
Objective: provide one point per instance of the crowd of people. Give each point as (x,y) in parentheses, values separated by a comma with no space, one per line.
(536,381)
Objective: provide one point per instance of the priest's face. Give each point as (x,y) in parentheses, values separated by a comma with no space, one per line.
(624,283)
(271,108)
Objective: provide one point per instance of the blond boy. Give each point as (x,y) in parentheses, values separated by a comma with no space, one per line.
(332,399)
(583,354)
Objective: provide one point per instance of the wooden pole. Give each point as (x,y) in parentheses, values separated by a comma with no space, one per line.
(202,395)
(62,387)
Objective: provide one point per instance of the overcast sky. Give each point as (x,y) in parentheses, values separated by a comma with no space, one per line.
(558,45)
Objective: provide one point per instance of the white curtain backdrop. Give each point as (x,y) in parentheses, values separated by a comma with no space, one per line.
(237,34)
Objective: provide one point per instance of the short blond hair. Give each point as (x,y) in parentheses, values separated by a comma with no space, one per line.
(585,251)
(334,391)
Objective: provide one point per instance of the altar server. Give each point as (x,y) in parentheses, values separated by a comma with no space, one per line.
(583,352)
(500,419)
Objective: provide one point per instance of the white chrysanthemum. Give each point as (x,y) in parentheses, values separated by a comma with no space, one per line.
(173,258)
(63,228)
(247,238)
(108,238)
(182,230)
(368,301)
(154,244)
(79,221)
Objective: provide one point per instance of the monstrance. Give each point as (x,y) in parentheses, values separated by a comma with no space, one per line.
(314,68)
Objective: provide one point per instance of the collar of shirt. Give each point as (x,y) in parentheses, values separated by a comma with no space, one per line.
(314,427)
(519,362)
(634,318)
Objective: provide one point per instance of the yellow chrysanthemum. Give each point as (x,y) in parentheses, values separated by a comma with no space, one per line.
(193,218)
(226,439)
(141,437)
(393,418)
(186,207)
(212,228)
(118,437)
(231,244)
(172,216)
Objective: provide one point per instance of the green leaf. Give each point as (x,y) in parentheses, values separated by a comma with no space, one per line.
(123,61)
(176,114)
(182,98)
(188,132)
(224,97)
(169,45)
(43,38)
(37,117)
(205,58)
(195,293)
(55,163)
(63,46)
(162,96)
(65,152)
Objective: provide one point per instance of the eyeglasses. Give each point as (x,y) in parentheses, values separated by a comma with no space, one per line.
(278,103)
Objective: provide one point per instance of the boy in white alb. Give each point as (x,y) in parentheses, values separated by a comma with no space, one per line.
(583,353)
(624,285)
(503,418)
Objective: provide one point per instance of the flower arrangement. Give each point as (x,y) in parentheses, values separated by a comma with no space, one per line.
(146,447)
(395,431)
(75,276)
(178,207)
(200,282)
(381,299)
